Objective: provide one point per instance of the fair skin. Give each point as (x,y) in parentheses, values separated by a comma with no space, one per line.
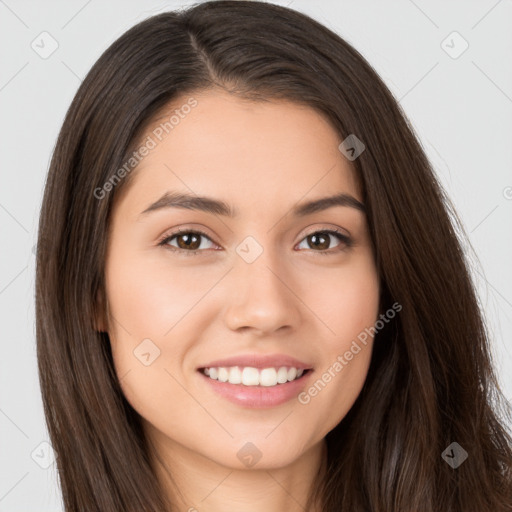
(262,159)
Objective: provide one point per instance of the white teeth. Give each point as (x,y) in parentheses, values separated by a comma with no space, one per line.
(223,375)
(235,375)
(249,376)
(282,375)
(268,377)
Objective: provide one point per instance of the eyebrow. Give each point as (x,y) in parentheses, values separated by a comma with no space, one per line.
(218,207)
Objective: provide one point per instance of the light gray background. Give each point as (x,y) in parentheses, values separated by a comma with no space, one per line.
(460,107)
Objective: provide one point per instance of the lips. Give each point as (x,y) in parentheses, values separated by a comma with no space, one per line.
(259,361)
(256,396)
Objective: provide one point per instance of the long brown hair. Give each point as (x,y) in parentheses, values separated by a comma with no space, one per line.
(431,380)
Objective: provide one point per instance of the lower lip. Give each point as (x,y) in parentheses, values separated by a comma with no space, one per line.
(259,396)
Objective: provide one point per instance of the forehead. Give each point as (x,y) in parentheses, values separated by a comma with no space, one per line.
(252,154)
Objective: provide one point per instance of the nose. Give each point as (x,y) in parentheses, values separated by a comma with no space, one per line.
(262,297)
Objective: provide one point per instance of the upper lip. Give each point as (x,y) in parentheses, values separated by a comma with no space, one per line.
(259,361)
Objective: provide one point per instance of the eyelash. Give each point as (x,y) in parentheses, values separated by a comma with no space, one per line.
(340,236)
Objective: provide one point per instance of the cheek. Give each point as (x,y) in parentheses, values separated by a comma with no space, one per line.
(144,305)
(346,301)
(148,295)
(348,307)
(152,320)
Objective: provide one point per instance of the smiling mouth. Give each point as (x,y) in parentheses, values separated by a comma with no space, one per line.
(255,377)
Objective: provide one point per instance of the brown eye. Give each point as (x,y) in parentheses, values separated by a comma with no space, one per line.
(320,241)
(187,242)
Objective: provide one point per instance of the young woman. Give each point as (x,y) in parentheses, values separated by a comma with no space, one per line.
(251,293)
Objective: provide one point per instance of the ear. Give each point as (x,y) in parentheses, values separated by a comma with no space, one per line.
(100,317)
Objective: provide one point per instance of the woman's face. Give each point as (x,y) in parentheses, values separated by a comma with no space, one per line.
(268,280)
